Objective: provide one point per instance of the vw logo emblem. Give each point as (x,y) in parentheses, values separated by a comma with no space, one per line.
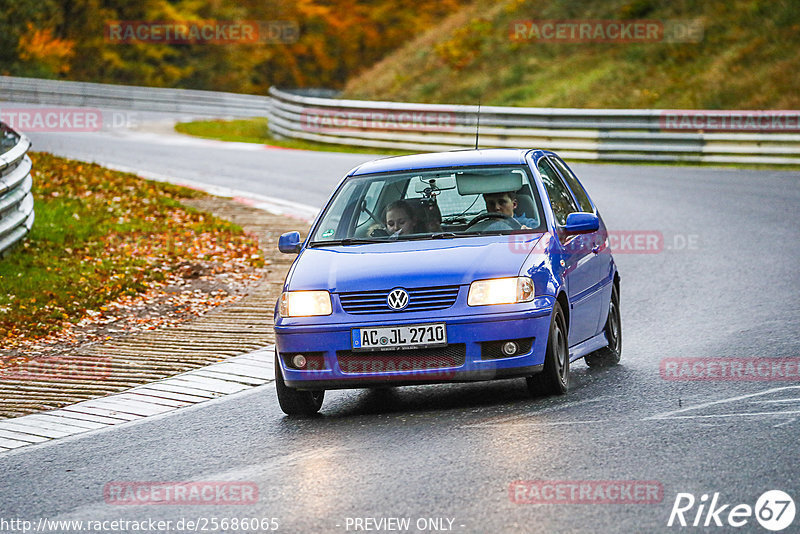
(397,299)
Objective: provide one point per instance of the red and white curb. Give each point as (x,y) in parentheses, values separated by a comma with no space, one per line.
(233,375)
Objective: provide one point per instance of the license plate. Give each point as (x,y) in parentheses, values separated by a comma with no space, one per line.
(417,336)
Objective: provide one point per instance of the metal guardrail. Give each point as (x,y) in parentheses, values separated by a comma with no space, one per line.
(82,94)
(579,134)
(16,199)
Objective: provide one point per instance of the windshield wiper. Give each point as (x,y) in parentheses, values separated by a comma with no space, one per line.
(348,241)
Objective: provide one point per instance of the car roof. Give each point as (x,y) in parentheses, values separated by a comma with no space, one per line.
(455,158)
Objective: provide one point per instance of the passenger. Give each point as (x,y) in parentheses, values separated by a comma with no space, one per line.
(505,203)
(399,218)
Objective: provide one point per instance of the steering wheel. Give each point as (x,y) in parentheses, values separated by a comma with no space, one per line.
(511,221)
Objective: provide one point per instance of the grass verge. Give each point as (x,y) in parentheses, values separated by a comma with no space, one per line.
(101,235)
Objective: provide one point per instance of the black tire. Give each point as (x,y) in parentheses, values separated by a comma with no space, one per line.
(554,378)
(611,354)
(294,401)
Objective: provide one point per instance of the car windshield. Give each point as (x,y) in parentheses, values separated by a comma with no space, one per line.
(431,204)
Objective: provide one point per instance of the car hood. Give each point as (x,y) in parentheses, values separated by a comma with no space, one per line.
(424,263)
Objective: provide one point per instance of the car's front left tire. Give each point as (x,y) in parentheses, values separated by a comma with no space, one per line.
(554,377)
(295,401)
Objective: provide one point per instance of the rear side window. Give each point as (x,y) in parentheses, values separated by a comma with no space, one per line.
(573,183)
(560,197)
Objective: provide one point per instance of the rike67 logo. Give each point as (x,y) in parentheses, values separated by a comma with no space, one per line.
(774,510)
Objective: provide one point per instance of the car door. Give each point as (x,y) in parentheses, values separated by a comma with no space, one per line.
(581,268)
(600,238)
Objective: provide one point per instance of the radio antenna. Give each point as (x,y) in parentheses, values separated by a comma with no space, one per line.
(478,125)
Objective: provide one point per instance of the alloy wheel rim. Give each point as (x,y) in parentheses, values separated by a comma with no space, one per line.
(560,352)
(614,320)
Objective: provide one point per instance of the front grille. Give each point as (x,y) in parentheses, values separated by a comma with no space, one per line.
(491,350)
(419,299)
(402,360)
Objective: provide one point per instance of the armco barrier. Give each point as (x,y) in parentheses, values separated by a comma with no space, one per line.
(184,101)
(580,134)
(759,137)
(16,200)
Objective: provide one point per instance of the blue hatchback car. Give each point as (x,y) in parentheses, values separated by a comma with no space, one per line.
(447,267)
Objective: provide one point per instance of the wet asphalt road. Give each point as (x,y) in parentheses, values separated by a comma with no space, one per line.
(725,284)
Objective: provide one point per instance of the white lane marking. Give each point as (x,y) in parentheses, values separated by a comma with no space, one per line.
(670,414)
(776,401)
(792,420)
(540,423)
(712,416)
(273,205)
(512,418)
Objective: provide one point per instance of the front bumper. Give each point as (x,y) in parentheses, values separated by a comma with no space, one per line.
(464,358)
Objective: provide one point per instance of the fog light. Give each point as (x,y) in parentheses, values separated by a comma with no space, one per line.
(299,361)
(510,348)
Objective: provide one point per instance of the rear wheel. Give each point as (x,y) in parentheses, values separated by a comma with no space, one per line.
(609,355)
(554,378)
(294,401)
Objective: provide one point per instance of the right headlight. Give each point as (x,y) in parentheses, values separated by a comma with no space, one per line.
(305,303)
(501,291)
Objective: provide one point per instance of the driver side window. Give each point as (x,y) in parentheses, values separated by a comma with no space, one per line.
(560,197)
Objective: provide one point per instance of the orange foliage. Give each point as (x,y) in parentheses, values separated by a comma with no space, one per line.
(40,46)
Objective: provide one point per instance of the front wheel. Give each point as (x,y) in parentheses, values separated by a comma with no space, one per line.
(554,378)
(611,354)
(294,401)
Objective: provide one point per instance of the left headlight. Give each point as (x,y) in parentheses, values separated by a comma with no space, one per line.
(305,303)
(501,291)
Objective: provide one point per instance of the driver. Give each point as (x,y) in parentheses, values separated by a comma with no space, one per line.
(505,203)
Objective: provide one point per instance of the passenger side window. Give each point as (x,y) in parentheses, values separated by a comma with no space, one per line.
(573,183)
(560,198)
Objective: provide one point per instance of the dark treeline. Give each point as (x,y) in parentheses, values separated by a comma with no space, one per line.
(335,39)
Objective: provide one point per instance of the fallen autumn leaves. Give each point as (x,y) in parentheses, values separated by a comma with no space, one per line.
(112,253)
